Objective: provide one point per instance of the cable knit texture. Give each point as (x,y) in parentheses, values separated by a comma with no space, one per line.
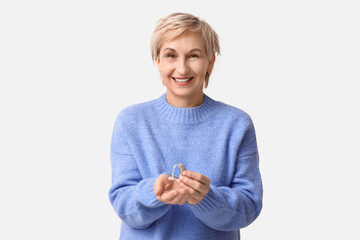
(215,139)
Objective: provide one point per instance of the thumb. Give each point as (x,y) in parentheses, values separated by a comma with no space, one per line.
(159,185)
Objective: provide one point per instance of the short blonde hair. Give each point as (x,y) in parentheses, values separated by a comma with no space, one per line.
(174,25)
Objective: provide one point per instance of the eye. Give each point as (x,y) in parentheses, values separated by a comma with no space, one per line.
(170,55)
(193,55)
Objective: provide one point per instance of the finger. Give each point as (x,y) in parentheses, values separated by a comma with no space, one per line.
(167,185)
(177,200)
(167,197)
(194,198)
(197,176)
(191,191)
(183,201)
(158,187)
(196,185)
(161,184)
(181,198)
(191,201)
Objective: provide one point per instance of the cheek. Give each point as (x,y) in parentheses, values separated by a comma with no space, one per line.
(166,69)
(201,69)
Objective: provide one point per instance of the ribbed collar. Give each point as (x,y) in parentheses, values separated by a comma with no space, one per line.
(198,114)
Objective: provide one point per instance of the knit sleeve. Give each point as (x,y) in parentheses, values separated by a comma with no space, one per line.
(227,208)
(131,196)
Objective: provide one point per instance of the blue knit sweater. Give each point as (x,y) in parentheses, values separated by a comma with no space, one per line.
(214,139)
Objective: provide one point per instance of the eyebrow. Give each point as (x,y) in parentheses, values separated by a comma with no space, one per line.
(173,50)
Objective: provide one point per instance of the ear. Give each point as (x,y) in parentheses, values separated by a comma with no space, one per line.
(211,65)
(157,60)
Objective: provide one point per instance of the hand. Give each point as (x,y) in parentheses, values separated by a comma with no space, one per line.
(169,191)
(196,184)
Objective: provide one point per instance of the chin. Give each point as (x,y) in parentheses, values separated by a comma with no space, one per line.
(183,93)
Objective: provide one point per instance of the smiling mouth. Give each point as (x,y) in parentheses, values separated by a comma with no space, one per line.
(182,80)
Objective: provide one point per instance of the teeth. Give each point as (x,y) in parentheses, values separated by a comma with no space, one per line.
(182,80)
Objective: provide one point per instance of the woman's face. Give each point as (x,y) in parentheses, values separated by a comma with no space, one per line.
(182,64)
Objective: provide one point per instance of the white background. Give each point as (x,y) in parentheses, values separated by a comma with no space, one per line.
(68,67)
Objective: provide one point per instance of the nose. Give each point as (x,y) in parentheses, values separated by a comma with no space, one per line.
(182,67)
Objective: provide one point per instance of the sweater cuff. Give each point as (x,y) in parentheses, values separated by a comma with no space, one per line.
(207,204)
(149,198)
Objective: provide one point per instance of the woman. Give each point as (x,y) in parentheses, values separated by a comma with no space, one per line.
(221,190)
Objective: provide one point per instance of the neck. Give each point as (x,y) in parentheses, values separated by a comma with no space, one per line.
(185,102)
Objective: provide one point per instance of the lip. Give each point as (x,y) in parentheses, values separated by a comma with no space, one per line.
(182,83)
(182,77)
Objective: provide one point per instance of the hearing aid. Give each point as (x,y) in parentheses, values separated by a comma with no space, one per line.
(182,168)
